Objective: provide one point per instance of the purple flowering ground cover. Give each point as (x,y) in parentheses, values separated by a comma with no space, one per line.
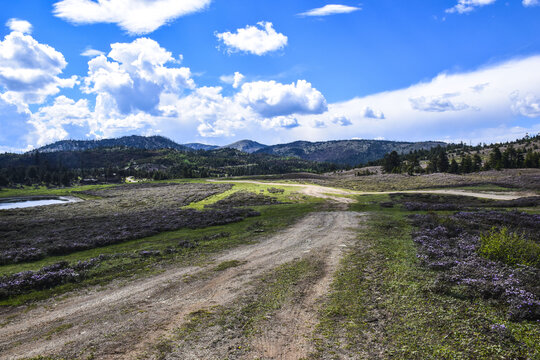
(63,272)
(118,215)
(450,245)
(436,202)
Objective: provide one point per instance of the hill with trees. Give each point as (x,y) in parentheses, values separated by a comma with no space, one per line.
(464,159)
(105,165)
(347,152)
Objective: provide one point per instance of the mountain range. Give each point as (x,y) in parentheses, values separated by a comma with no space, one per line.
(343,152)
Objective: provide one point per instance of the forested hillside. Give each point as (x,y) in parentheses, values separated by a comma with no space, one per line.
(114,164)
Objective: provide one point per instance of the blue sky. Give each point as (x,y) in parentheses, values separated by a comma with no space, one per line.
(217,71)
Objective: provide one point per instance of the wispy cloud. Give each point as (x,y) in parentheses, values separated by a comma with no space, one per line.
(528,3)
(92,53)
(466,6)
(330,9)
(134,16)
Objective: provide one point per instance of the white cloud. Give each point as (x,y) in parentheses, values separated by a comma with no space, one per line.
(234,80)
(330,9)
(528,3)
(528,105)
(459,110)
(466,6)
(257,40)
(134,16)
(18,25)
(281,122)
(50,121)
(342,121)
(29,70)
(92,53)
(136,78)
(270,99)
(373,114)
(215,114)
(238,80)
(438,103)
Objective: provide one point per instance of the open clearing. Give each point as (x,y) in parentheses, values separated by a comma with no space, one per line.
(329,285)
(124,321)
(326,192)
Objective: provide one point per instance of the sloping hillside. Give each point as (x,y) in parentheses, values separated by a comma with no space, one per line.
(346,152)
(199,146)
(134,141)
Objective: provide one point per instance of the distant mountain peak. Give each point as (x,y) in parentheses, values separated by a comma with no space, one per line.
(248,146)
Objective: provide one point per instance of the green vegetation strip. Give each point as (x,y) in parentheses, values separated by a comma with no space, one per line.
(286,196)
(383,305)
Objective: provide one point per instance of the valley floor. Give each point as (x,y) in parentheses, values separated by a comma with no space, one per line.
(340,280)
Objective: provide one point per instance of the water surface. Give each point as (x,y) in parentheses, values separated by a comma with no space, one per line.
(19,203)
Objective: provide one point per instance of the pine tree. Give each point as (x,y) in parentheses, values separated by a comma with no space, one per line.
(391,162)
(454,167)
(442,161)
(495,158)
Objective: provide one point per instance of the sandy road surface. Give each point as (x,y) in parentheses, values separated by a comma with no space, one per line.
(125,320)
(328,192)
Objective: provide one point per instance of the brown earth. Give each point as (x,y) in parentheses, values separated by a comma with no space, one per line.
(126,320)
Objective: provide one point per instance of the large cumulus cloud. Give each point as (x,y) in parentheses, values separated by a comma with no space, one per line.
(29,70)
(270,98)
(136,77)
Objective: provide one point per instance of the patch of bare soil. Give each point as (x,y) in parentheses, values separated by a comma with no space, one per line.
(330,193)
(287,334)
(322,192)
(126,320)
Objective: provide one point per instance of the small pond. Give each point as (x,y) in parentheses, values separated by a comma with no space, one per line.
(19,203)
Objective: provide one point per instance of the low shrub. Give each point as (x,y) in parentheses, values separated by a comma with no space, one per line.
(243,199)
(451,246)
(275,190)
(509,248)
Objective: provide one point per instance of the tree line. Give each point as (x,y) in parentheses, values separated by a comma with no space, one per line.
(113,165)
(465,159)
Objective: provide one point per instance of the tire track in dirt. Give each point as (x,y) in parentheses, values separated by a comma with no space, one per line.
(124,321)
(288,335)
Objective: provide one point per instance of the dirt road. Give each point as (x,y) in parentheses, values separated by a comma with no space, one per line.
(329,192)
(124,321)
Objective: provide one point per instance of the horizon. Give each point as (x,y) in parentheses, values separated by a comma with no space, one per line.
(217,72)
(237,141)
(270,145)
